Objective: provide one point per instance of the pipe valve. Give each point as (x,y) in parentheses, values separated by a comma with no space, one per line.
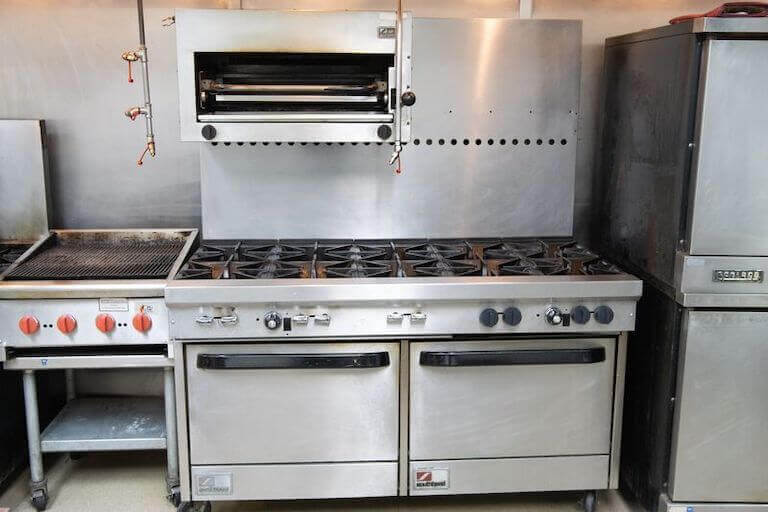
(130,57)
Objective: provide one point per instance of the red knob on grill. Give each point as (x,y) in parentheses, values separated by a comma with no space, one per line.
(105,322)
(142,322)
(29,324)
(66,324)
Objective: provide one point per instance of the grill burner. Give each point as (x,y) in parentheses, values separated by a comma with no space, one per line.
(535,266)
(91,257)
(9,253)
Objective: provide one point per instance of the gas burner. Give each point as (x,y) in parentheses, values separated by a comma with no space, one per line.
(203,270)
(356,252)
(436,251)
(269,270)
(534,266)
(514,249)
(444,268)
(356,268)
(577,251)
(274,252)
(213,253)
(601,268)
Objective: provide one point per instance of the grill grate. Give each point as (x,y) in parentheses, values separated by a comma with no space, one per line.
(100,259)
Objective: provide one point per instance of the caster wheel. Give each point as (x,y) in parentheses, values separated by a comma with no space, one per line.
(76,455)
(40,500)
(590,501)
(175,497)
(206,507)
(184,507)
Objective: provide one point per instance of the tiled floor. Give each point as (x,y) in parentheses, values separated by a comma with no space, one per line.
(123,482)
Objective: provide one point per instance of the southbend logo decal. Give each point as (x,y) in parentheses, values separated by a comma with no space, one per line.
(430,478)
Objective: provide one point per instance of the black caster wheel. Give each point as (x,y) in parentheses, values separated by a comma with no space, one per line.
(175,497)
(40,500)
(590,501)
(206,507)
(76,455)
(184,507)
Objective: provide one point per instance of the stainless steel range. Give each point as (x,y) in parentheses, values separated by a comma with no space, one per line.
(85,300)
(398,367)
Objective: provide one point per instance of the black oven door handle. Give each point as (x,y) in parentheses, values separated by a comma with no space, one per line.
(514,357)
(292,361)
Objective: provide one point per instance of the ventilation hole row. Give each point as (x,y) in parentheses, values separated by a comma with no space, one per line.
(417,142)
(490,142)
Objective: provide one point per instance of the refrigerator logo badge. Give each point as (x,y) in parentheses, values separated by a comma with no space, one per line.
(742,276)
(214,484)
(430,478)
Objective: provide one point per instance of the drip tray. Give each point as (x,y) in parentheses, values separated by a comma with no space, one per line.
(107,424)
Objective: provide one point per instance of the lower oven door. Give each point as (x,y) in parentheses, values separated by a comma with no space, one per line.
(510,416)
(269,421)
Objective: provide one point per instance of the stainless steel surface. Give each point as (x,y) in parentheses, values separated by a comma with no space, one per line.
(54,362)
(295,98)
(618,410)
(24,196)
(317,481)
(319,415)
(487,412)
(300,117)
(666,505)
(180,388)
(97,424)
(697,287)
(515,475)
(719,442)
(729,27)
(728,215)
(85,312)
(33,427)
(404,415)
(171,436)
(219,30)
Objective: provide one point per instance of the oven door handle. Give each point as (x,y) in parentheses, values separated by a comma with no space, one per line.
(292,361)
(514,357)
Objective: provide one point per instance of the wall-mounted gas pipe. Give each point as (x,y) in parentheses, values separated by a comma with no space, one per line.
(395,158)
(140,55)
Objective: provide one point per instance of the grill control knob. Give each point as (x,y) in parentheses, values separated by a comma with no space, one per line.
(489,317)
(604,314)
(553,315)
(66,324)
(580,314)
(512,316)
(273,320)
(142,322)
(105,323)
(29,324)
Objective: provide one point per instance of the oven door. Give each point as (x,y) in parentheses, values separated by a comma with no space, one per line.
(270,421)
(510,416)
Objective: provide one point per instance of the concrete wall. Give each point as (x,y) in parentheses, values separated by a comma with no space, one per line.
(61,62)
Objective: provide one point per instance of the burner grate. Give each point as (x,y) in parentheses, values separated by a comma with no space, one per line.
(100,259)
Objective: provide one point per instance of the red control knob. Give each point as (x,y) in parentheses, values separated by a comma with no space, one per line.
(105,323)
(142,322)
(66,324)
(29,324)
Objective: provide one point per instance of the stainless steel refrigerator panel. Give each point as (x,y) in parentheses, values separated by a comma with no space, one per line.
(509,475)
(511,411)
(24,204)
(294,481)
(720,439)
(730,196)
(722,281)
(292,415)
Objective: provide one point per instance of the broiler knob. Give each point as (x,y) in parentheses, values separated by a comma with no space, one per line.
(105,323)
(553,315)
(142,322)
(66,324)
(29,324)
(272,320)
(489,317)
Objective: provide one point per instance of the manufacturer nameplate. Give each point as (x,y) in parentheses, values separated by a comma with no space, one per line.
(739,276)
(214,484)
(387,32)
(430,478)
(113,304)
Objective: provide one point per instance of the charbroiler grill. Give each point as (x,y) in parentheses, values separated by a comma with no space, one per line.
(93,299)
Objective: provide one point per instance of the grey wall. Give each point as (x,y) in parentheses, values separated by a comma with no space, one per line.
(61,62)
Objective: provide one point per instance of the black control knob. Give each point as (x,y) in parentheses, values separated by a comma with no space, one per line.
(580,314)
(512,316)
(384,131)
(604,314)
(489,317)
(209,132)
(273,320)
(408,98)
(553,315)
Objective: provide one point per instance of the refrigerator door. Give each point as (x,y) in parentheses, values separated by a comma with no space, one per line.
(720,436)
(730,183)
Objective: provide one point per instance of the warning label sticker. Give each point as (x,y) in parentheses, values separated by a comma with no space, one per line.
(430,478)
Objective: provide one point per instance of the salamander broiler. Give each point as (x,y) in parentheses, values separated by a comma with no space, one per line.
(350,331)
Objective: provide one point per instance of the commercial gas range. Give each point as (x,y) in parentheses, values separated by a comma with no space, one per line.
(86,300)
(350,368)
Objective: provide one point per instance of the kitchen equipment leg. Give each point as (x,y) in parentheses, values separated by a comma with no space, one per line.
(590,501)
(38,486)
(69,374)
(172,446)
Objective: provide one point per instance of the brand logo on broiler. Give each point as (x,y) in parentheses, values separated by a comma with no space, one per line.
(744,276)
(431,479)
